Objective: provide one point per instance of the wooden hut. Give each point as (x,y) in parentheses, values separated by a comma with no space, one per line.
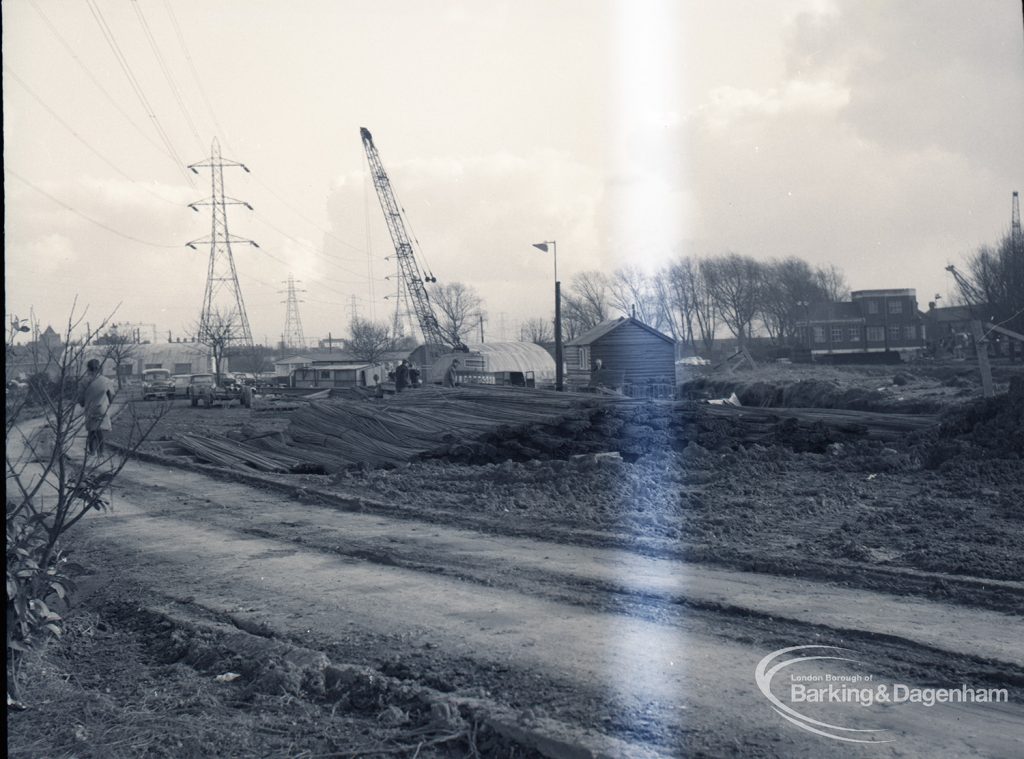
(631,354)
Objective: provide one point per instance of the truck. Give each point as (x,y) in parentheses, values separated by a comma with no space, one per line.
(209,393)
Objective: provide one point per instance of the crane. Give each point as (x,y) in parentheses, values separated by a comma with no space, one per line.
(972,296)
(415,281)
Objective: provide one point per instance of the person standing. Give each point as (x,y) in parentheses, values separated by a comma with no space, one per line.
(95,396)
(414,377)
(402,376)
(451,377)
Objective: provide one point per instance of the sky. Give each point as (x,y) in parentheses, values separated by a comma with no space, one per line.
(884,137)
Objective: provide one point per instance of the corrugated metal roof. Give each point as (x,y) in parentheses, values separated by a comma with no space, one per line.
(500,357)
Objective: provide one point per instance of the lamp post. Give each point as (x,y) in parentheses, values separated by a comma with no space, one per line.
(558,310)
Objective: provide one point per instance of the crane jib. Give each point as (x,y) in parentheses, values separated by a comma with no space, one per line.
(408,267)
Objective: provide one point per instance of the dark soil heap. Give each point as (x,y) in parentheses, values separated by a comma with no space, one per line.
(993,424)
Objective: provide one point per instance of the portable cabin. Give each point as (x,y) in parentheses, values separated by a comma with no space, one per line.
(335,375)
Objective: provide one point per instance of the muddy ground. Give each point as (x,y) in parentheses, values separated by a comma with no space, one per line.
(933,522)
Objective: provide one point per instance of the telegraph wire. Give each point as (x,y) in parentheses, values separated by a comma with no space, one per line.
(88,218)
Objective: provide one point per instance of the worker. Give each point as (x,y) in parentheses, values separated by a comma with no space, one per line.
(414,377)
(378,387)
(95,396)
(451,377)
(402,376)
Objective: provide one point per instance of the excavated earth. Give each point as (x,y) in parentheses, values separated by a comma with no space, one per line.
(604,593)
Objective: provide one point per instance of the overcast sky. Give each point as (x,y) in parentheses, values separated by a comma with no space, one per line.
(884,137)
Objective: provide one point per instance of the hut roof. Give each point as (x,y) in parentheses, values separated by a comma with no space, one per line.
(602,329)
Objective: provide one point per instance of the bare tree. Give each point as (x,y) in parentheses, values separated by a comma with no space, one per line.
(369,340)
(832,282)
(734,284)
(51,486)
(789,287)
(686,304)
(632,290)
(251,359)
(539,330)
(119,350)
(585,304)
(458,308)
(997,276)
(218,334)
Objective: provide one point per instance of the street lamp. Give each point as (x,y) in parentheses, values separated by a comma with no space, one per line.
(558,311)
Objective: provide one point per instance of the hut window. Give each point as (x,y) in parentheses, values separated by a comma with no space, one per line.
(585,357)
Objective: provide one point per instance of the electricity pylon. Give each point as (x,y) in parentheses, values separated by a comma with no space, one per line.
(221,275)
(294,339)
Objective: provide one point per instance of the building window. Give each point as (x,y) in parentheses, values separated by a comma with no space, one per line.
(853,334)
(909,331)
(895,307)
(153,366)
(325,374)
(876,334)
(894,331)
(872,306)
(819,334)
(837,334)
(183,368)
(584,357)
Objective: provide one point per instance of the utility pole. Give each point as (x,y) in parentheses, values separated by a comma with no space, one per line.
(221,274)
(293,336)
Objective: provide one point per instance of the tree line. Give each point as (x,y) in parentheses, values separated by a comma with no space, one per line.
(691,298)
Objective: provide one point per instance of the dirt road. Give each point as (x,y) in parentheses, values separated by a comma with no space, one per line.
(591,647)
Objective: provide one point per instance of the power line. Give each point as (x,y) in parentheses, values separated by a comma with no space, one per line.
(192,67)
(95,81)
(166,71)
(75,211)
(81,139)
(122,61)
(305,245)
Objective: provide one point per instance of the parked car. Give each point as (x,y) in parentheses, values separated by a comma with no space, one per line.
(196,383)
(181,383)
(157,383)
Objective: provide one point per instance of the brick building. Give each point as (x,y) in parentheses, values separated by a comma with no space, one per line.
(871,322)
